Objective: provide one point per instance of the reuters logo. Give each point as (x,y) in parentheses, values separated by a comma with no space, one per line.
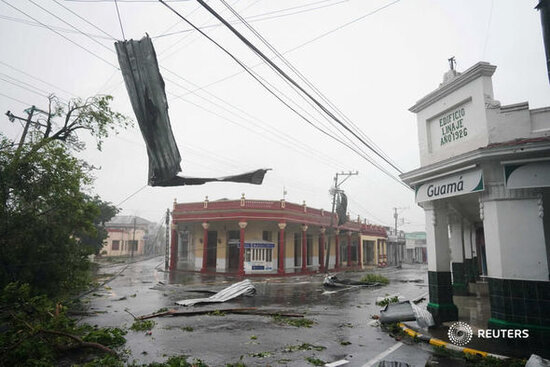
(460,333)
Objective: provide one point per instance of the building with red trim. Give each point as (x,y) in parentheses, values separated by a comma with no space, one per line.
(268,237)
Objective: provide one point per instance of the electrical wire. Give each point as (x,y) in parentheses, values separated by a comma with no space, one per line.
(86,20)
(131,195)
(308,42)
(259,17)
(251,73)
(65,37)
(69,24)
(291,80)
(36,78)
(308,83)
(119,20)
(35,24)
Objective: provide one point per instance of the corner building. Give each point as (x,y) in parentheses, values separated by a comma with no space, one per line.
(264,237)
(483,183)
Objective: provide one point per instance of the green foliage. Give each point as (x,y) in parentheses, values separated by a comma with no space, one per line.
(303,346)
(261,354)
(142,325)
(387,301)
(344,343)
(48,224)
(187,328)
(298,322)
(111,337)
(35,329)
(315,361)
(375,278)
(238,364)
(217,313)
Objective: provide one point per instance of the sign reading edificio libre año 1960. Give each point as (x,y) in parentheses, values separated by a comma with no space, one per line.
(452,126)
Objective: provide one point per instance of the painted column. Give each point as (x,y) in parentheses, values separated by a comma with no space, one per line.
(322,250)
(349,249)
(441,303)
(337,249)
(458,268)
(282,256)
(173,248)
(385,252)
(205,226)
(304,248)
(517,262)
(377,252)
(242,226)
(469,267)
(360,251)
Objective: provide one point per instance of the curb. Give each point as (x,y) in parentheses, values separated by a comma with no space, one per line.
(440,343)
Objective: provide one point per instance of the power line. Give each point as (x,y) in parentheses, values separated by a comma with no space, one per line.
(291,80)
(259,17)
(36,78)
(69,24)
(251,73)
(304,79)
(119,20)
(297,47)
(84,19)
(65,37)
(35,24)
(16,100)
(131,195)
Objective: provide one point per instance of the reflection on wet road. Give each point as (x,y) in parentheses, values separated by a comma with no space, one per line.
(341,318)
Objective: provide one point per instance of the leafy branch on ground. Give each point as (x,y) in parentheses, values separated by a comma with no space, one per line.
(386,301)
(298,322)
(375,278)
(142,325)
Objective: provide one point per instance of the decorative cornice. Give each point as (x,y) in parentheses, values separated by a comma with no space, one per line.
(474,156)
(478,70)
(497,191)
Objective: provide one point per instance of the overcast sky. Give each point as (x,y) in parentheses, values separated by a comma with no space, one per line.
(373,69)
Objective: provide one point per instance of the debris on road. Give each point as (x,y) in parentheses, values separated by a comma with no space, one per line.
(243,311)
(406,311)
(536,361)
(333,281)
(244,288)
(337,363)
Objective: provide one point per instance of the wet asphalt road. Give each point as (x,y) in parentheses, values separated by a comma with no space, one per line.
(343,323)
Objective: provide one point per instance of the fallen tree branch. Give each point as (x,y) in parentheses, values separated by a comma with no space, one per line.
(81,343)
(242,311)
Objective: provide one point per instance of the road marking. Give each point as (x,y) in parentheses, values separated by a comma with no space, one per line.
(382,355)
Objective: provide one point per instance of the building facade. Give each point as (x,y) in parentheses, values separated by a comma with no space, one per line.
(247,237)
(415,244)
(396,246)
(126,236)
(483,183)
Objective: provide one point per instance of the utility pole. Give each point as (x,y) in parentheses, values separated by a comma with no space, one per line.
(335,191)
(395,216)
(134,238)
(167,239)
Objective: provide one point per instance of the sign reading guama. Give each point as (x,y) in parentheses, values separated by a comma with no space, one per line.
(145,86)
(459,184)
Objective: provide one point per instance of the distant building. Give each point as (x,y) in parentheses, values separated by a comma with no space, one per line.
(483,182)
(415,244)
(268,237)
(127,235)
(396,246)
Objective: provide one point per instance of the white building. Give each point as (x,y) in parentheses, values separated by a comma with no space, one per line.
(483,183)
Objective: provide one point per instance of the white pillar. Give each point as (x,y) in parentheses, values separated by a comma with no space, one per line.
(514,238)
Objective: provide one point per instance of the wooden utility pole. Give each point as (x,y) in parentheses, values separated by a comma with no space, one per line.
(167,240)
(335,191)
